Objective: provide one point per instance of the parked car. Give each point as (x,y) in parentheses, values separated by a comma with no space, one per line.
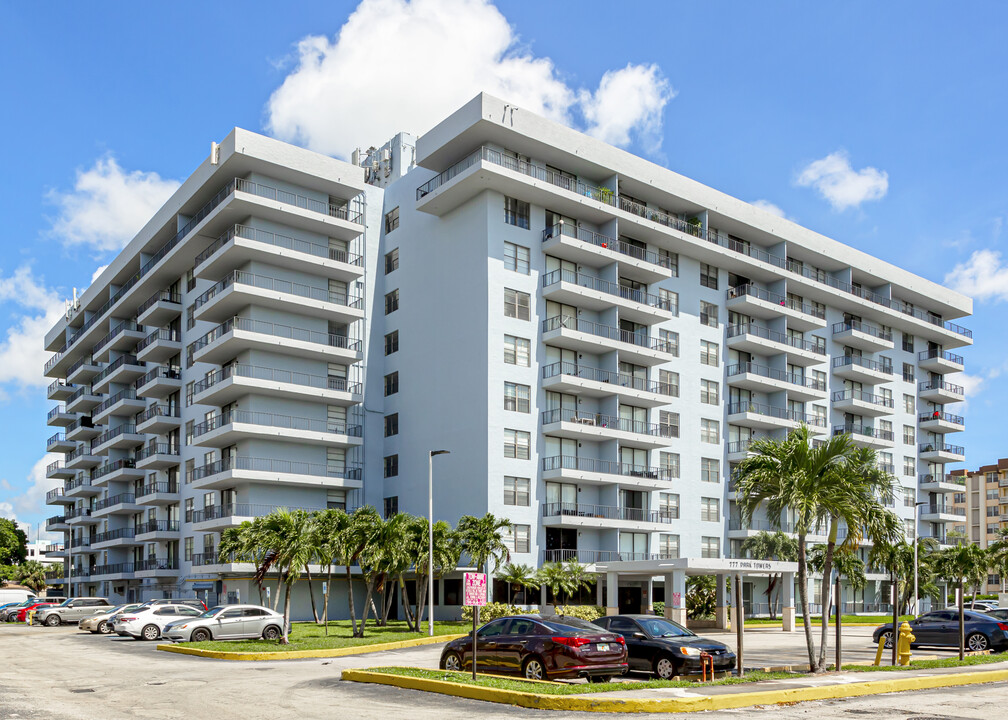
(941,628)
(9,596)
(73,611)
(192,602)
(981,605)
(228,622)
(34,607)
(541,647)
(102,622)
(11,611)
(148,622)
(998,614)
(660,646)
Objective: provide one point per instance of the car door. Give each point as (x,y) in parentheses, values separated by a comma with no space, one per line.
(639,651)
(512,645)
(181,612)
(230,624)
(488,639)
(925,628)
(255,622)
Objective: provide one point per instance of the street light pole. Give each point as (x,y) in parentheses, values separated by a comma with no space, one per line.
(915,543)
(430,538)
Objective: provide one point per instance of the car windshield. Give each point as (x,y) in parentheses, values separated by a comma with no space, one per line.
(566,624)
(660,627)
(212,611)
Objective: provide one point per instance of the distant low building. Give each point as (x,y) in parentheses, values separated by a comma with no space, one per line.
(983,505)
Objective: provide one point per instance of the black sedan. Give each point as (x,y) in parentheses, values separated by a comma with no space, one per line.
(540,647)
(660,646)
(941,628)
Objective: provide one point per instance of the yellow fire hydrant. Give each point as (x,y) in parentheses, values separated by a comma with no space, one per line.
(906,637)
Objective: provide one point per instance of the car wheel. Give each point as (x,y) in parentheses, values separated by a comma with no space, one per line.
(271,633)
(200,635)
(150,632)
(532,669)
(452,661)
(977,641)
(888,638)
(665,667)
(52,620)
(103,628)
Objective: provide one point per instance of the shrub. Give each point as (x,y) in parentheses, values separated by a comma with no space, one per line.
(659,608)
(582,612)
(492,611)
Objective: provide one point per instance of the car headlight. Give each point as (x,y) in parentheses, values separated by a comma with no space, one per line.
(690,651)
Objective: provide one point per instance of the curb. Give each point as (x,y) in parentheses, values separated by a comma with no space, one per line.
(595,703)
(305,654)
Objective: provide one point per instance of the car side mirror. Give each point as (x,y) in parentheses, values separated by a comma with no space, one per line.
(640,636)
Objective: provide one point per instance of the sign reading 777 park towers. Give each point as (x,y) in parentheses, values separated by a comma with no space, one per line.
(475,594)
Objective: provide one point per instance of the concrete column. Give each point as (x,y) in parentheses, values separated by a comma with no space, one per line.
(787,602)
(649,598)
(542,604)
(720,603)
(675,596)
(598,592)
(612,594)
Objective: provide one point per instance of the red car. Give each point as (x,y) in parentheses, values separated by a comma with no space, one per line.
(22,615)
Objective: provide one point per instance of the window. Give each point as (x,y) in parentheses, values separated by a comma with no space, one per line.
(908,372)
(187,549)
(517,444)
(189,431)
(708,314)
(909,466)
(710,547)
(392,342)
(391,506)
(710,509)
(709,353)
(668,546)
(668,424)
(819,379)
(671,260)
(516,304)
(392,383)
(517,351)
(516,397)
(516,212)
(668,506)
(668,300)
(669,341)
(391,465)
(517,538)
(391,424)
(710,431)
(392,219)
(391,261)
(908,404)
(709,391)
(908,435)
(668,383)
(710,470)
(516,258)
(908,342)
(708,276)
(516,491)
(885,429)
(392,302)
(669,465)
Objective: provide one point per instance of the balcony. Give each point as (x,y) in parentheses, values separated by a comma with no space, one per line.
(240,289)
(123,437)
(940,362)
(738,450)
(593,293)
(59,390)
(156,567)
(58,470)
(159,346)
(122,371)
(234,336)
(81,516)
(607,472)
(124,403)
(761,340)
(83,429)
(59,443)
(80,486)
(761,378)
(56,497)
(112,571)
(865,435)
(570,423)
(116,471)
(940,392)
(241,245)
(122,536)
(768,417)
(587,336)
(227,428)
(739,530)
(582,515)
(939,452)
(587,247)
(941,512)
(941,422)
(228,472)
(592,557)
(858,402)
(83,370)
(158,420)
(154,530)
(159,382)
(159,309)
(83,457)
(123,336)
(157,456)
(121,504)
(223,386)
(56,523)
(59,416)
(219,517)
(942,483)
(570,377)
(84,399)
(750,299)
(863,370)
(159,493)
(862,335)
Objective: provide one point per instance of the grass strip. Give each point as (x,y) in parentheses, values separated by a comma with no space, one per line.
(932,664)
(817,620)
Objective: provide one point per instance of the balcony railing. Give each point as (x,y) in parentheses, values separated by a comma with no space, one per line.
(230,510)
(115,365)
(156,411)
(819,348)
(58,410)
(270,465)
(112,569)
(941,447)
(948,478)
(605,331)
(305,203)
(286,287)
(775,412)
(129,394)
(862,327)
(124,429)
(738,446)
(609,512)
(255,372)
(162,335)
(840,395)
(152,526)
(608,467)
(156,564)
(57,438)
(863,430)
(621,424)
(281,241)
(775,374)
(285,422)
(158,487)
(751,290)
(606,243)
(115,500)
(941,385)
(53,494)
(119,534)
(166,373)
(604,286)
(125,326)
(55,520)
(607,376)
(944,509)
(156,449)
(112,467)
(852,360)
(944,355)
(210,557)
(939,415)
(160,296)
(263,327)
(589,557)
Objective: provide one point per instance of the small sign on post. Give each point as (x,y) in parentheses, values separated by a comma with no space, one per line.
(475,596)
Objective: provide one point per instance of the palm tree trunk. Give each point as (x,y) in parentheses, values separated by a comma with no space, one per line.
(824,594)
(311,594)
(769,596)
(421,600)
(803,595)
(286,614)
(276,600)
(325,597)
(389,596)
(353,611)
(368,605)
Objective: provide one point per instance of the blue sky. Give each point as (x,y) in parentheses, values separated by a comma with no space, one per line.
(902,103)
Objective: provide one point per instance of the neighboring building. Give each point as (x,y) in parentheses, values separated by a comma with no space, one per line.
(982,503)
(594,338)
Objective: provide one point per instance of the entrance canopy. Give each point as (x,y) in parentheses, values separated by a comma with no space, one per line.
(697,566)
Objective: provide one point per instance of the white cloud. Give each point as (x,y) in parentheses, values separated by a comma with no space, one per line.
(983,277)
(403,65)
(841,185)
(108,205)
(22,355)
(769,207)
(31,499)
(98,271)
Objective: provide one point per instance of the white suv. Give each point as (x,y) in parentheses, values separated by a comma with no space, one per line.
(149,622)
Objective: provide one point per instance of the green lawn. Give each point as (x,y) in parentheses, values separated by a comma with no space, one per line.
(309,636)
(930,664)
(817,620)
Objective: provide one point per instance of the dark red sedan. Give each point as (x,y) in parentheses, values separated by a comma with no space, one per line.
(22,615)
(541,647)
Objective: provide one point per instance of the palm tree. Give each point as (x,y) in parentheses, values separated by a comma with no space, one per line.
(580,579)
(330,525)
(32,574)
(818,486)
(848,565)
(897,558)
(521,575)
(447,549)
(998,551)
(237,543)
(483,540)
(771,546)
(349,544)
(555,577)
(288,535)
(963,563)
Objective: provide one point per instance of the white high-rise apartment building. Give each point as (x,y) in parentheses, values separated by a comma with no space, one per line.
(595,338)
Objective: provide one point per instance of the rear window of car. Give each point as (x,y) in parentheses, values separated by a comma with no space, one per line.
(187,611)
(569,624)
(254,612)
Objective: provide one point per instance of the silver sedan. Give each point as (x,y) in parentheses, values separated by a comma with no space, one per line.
(228,622)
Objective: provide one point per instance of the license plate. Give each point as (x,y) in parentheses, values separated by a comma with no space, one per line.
(603,647)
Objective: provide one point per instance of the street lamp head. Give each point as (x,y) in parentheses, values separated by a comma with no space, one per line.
(439,452)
